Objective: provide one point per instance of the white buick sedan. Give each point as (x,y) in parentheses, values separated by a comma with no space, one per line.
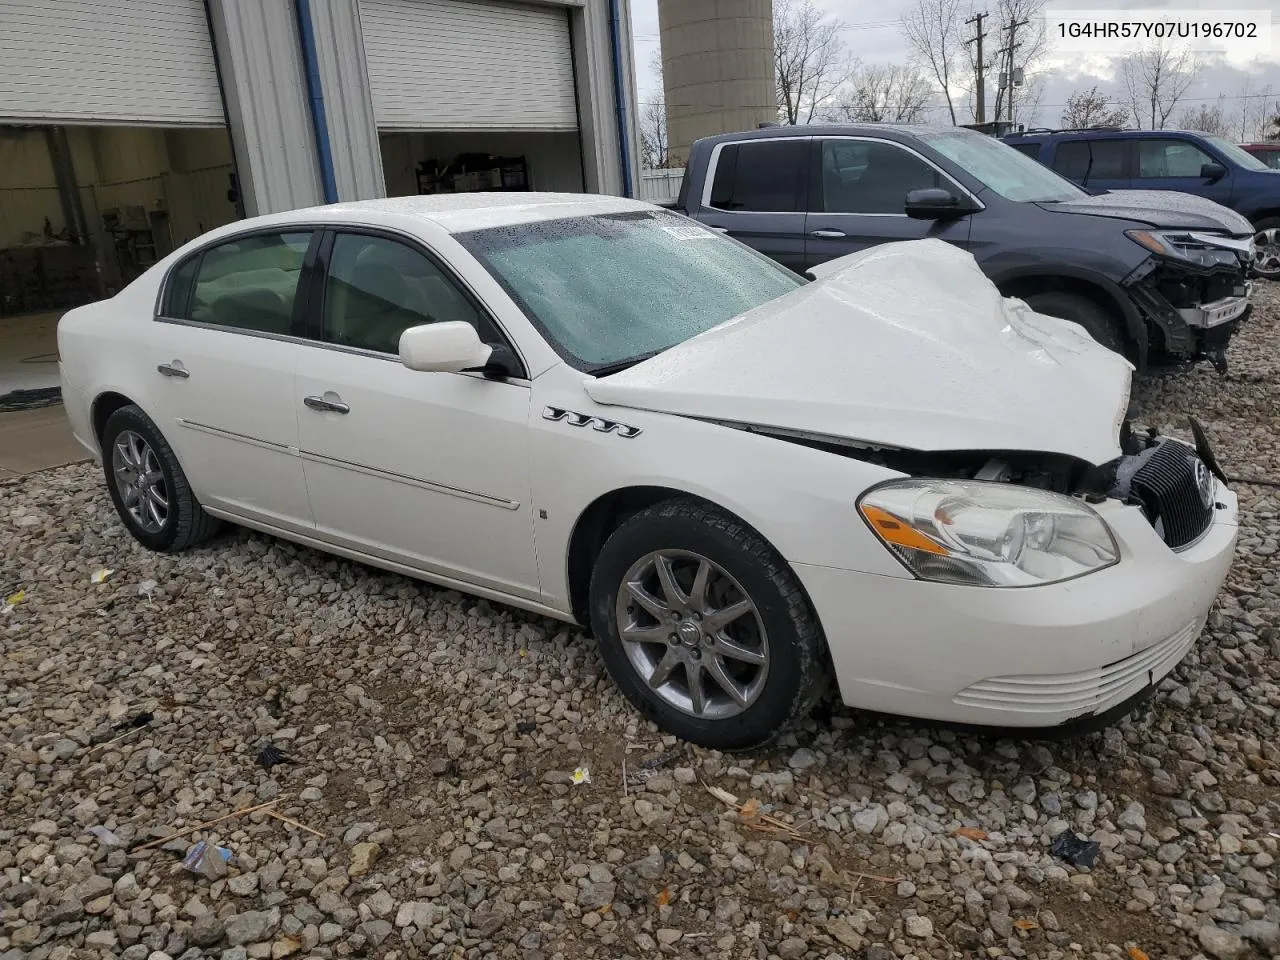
(743,482)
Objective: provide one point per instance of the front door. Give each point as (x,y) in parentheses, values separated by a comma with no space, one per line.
(222,354)
(858,199)
(426,469)
(757,195)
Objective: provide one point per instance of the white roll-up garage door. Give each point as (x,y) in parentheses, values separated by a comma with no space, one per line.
(107,61)
(469,65)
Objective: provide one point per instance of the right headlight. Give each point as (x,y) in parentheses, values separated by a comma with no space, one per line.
(987,534)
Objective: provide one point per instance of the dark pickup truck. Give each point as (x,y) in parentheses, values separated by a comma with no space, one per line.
(1154,275)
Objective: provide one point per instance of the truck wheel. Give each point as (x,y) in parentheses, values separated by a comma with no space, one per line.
(704,627)
(1098,321)
(1267,240)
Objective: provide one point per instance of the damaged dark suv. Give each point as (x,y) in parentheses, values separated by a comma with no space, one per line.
(1155,275)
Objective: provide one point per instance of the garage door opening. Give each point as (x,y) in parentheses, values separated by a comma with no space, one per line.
(428,163)
(83,211)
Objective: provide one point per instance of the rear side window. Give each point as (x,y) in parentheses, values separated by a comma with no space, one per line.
(177,292)
(1071,159)
(1086,160)
(1031,150)
(766,176)
(250,283)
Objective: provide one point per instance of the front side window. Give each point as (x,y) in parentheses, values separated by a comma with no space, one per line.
(249,283)
(1170,158)
(763,176)
(377,288)
(610,289)
(1001,168)
(868,176)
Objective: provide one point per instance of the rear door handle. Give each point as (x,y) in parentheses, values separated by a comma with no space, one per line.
(325,405)
(175,369)
(828,234)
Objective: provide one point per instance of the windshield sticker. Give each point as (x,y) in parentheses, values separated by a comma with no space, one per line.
(682,228)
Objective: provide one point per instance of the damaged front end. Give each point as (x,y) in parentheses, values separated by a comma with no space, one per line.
(1170,481)
(1194,289)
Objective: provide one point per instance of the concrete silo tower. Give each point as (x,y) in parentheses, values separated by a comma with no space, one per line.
(717,68)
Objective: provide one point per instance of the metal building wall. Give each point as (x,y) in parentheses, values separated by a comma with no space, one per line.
(717,68)
(265,86)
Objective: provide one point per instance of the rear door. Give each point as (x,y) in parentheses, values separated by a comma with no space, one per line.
(755,191)
(222,354)
(1098,164)
(858,192)
(1174,164)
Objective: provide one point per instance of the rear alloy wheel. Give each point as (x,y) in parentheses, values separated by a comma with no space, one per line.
(1267,240)
(704,627)
(1099,322)
(147,484)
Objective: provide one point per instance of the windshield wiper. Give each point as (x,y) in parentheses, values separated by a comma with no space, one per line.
(605,369)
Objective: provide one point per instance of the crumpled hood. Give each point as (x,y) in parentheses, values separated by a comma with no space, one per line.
(1163,209)
(904,345)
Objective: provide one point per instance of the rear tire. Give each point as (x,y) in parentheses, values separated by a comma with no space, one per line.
(148,487)
(1267,239)
(1098,321)
(744,636)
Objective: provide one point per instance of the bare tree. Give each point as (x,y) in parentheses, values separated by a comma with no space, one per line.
(885,93)
(1156,79)
(1207,119)
(810,60)
(935,31)
(653,124)
(1254,114)
(1089,108)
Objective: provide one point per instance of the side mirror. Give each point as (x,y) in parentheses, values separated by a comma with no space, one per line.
(1213,172)
(447,347)
(934,203)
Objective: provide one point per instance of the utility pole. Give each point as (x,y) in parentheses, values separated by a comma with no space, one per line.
(1006,76)
(979,34)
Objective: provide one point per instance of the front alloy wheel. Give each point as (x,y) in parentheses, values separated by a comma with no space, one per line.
(1267,242)
(704,627)
(692,634)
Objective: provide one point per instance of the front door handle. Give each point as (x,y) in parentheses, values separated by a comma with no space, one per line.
(828,234)
(720,229)
(326,405)
(175,369)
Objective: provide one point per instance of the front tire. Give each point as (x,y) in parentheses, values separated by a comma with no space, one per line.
(704,627)
(148,487)
(1267,241)
(1100,323)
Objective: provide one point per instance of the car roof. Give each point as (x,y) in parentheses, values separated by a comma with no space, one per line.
(460,212)
(901,131)
(1100,133)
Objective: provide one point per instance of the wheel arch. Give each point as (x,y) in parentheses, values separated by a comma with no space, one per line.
(609,511)
(1102,291)
(104,405)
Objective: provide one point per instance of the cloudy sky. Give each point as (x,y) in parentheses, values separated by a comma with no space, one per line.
(872,33)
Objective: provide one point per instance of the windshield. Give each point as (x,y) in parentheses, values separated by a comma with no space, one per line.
(1235,154)
(1003,169)
(619,287)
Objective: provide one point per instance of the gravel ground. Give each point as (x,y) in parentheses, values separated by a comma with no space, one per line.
(433,740)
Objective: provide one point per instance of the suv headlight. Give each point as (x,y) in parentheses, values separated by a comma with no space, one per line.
(1197,247)
(987,534)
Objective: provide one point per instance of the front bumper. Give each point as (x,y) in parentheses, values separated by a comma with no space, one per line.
(1024,657)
